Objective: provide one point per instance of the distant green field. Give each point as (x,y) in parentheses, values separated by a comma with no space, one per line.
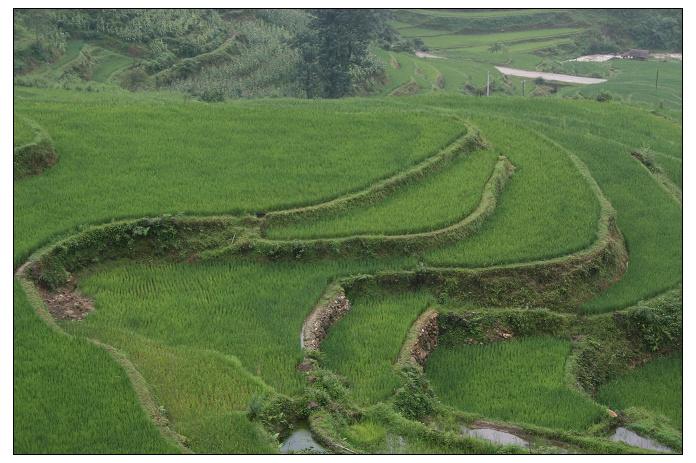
(474,40)
(54,71)
(528,42)
(519,381)
(72,50)
(483,14)
(656,386)
(108,64)
(634,82)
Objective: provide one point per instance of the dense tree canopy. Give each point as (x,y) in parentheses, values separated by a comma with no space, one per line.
(335,42)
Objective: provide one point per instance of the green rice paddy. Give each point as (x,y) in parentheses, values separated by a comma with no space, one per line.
(655,386)
(519,381)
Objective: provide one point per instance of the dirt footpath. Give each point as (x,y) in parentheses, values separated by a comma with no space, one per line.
(550,76)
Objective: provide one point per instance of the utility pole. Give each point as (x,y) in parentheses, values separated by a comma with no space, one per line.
(488,83)
(657,76)
(523,87)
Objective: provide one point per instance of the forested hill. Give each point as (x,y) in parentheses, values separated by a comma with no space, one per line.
(216,54)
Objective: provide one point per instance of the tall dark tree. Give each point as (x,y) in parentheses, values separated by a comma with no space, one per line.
(336,40)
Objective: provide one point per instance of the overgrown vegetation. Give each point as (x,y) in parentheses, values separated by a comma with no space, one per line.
(210,54)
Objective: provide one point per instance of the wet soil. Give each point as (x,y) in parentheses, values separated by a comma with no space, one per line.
(67,304)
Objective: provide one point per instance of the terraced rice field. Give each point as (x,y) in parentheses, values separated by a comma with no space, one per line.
(515,381)
(220,290)
(656,386)
(104,63)
(108,64)
(369,339)
(436,202)
(635,82)
(142,175)
(81,396)
(446,41)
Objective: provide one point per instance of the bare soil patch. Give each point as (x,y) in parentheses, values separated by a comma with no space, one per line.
(317,324)
(425,54)
(67,304)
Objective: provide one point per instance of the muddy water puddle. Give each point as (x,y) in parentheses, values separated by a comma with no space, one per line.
(301,440)
(496,436)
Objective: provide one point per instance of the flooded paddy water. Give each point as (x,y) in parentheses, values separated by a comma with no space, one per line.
(301,440)
(631,438)
(494,435)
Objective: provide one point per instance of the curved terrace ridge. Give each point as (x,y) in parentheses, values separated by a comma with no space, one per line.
(412,241)
(468,141)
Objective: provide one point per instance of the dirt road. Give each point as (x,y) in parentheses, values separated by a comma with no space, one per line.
(550,76)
